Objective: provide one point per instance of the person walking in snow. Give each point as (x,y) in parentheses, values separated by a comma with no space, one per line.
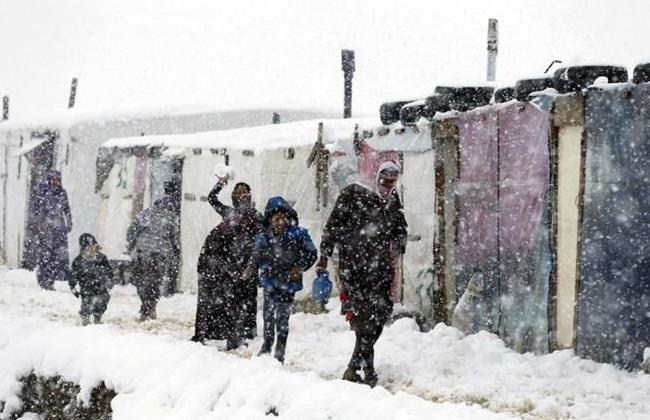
(151,241)
(92,274)
(368,227)
(51,214)
(282,252)
(222,297)
(242,205)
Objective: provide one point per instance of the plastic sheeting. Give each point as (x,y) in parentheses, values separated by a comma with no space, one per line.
(524,247)
(476,268)
(614,298)
(502,258)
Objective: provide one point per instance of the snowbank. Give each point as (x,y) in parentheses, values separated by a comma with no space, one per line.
(159,377)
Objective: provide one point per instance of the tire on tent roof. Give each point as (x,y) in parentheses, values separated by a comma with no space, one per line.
(389,111)
(436,103)
(641,73)
(464,98)
(576,78)
(525,87)
(504,94)
(411,112)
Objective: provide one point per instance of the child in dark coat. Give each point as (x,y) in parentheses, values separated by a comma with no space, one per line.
(282,252)
(92,273)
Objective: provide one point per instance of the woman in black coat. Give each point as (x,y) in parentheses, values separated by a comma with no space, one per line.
(368,227)
(222,297)
(242,203)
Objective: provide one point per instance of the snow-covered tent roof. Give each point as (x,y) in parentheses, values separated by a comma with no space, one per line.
(272,136)
(416,138)
(70,117)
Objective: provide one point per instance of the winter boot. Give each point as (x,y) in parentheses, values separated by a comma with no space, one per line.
(233,343)
(85,320)
(279,351)
(266,348)
(370,377)
(198,339)
(250,333)
(351,375)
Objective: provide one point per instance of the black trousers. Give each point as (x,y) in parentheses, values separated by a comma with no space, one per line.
(148,273)
(367,330)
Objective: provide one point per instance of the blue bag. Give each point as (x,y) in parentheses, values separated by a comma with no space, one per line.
(321,288)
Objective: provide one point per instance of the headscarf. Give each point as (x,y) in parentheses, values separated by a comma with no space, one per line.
(385,166)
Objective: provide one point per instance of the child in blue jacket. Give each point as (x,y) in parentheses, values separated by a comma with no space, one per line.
(282,252)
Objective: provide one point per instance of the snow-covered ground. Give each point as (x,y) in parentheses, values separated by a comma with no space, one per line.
(158,373)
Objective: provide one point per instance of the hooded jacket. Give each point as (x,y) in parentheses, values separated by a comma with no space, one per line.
(275,255)
(93,275)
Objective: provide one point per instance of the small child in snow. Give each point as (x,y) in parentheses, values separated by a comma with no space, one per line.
(91,272)
(282,252)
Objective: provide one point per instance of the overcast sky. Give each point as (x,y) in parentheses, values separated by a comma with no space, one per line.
(286,53)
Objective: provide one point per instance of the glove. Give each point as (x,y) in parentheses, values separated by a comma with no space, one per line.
(75,292)
(294,274)
(247,274)
(345,307)
(322,263)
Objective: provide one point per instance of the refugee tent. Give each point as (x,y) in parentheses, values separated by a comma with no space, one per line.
(272,159)
(67,142)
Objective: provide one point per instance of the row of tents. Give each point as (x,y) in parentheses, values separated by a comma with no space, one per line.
(527,217)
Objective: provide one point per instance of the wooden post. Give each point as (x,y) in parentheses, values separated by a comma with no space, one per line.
(446,140)
(318,158)
(347,65)
(492,48)
(5,108)
(73,93)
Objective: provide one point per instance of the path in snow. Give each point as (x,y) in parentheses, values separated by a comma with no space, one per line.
(440,366)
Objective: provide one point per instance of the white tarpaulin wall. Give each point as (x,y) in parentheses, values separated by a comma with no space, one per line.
(568,180)
(116,206)
(17,170)
(15,200)
(418,196)
(197,217)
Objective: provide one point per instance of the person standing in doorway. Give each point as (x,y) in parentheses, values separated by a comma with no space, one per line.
(53,223)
